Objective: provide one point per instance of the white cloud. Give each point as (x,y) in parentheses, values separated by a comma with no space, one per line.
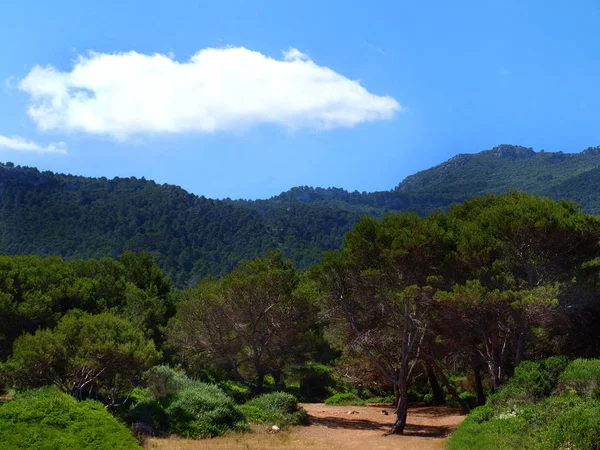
(25,145)
(218,89)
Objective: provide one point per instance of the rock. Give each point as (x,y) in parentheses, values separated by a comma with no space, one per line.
(352,412)
(384,412)
(275,429)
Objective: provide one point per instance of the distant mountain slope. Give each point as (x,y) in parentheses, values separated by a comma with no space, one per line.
(558,175)
(190,236)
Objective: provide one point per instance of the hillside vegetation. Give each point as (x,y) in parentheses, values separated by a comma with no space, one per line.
(189,236)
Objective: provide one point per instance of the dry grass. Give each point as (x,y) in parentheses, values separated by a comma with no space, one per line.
(250,441)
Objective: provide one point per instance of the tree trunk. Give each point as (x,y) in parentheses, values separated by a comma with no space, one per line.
(493,371)
(276,378)
(260,381)
(401,409)
(436,390)
(396,395)
(521,345)
(478,385)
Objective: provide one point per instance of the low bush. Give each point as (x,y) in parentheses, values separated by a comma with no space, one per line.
(49,419)
(583,377)
(346,399)
(163,381)
(545,418)
(150,412)
(278,408)
(237,391)
(576,428)
(203,410)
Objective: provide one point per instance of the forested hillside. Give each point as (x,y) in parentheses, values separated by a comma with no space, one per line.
(189,236)
(558,175)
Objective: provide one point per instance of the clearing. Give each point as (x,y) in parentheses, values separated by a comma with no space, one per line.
(338,427)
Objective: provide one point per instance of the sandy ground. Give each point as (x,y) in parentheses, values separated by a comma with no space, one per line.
(338,427)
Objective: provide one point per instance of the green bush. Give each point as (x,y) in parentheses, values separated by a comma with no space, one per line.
(560,421)
(576,428)
(316,382)
(203,410)
(428,399)
(237,391)
(346,399)
(532,381)
(151,412)
(583,377)
(163,381)
(48,419)
(279,408)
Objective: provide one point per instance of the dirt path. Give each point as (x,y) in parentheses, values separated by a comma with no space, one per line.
(427,427)
(333,428)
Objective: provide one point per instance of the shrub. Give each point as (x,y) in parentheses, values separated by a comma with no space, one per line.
(428,399)
(582,376)
(316,382)
(346,398)
(49,419)
(237,391)
(532,381)
(578,427)
(203,410)
(151,412)
(279,408)
(163,381)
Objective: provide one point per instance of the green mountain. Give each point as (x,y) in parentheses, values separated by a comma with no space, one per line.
(558,175)
(190,236)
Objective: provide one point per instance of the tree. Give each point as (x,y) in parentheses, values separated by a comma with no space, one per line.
(84,355)
(516,255)
(249,321)
(379,294)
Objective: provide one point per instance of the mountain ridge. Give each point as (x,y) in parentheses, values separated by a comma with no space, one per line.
(191,236)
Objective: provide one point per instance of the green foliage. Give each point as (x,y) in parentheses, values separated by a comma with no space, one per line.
(538,420)
(164,381)
(191,236)
(577,428)
(583,377)
(203,410)
(469,398)
(36,292)
(252,321)
(316,381)
(48,419)
(84,353)
(237,391)
(278,408)
(346,398)
(150,412)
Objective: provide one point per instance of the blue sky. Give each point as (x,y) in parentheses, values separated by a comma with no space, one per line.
(355,95)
